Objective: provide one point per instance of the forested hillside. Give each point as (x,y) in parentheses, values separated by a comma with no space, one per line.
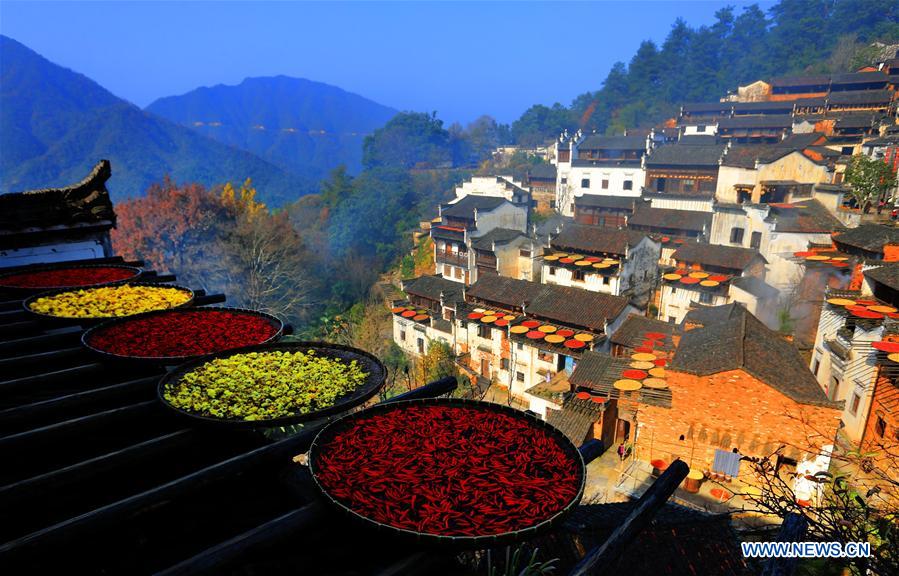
(55,124)
(702,64)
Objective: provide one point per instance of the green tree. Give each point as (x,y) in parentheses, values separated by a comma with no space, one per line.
(409,140)
(870,181)
(540,123)
(337,188)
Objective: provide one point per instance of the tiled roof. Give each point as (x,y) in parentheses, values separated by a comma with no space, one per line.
(801,141)
(596,239)
(859,78)
(670,219)
(806,217)
(888,275)
(869,237)
(432,286)
(698,140)
(707,107)
(497,235)
(858,120)
(599,142)
(551,225)
(86,204)
(598,372)
(576,307)
(575,418)
(743,342)
(504,290)
(631,331)
(779,121)
(465,207)
(570,306)
(543,171)
(679,541)
(788,81)
(860,97)
(733,257)
(686,155)
(707,315)
(746,155)
(602,201)
(784,107)
(755,286)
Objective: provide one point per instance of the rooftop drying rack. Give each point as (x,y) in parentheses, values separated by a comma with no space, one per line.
(97,474)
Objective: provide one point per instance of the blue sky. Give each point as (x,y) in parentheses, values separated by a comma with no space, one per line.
(461,59)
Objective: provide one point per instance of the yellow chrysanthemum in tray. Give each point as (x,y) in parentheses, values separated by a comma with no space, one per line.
(264,385)
(110,301)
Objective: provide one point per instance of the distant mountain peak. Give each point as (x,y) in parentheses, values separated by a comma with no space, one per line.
(54,122)
(303,126)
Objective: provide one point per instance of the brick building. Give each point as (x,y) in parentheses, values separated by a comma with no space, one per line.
(731,386)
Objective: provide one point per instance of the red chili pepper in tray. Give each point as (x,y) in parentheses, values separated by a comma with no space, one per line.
(451,470)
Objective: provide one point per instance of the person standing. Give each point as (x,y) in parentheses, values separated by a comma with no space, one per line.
(621,451)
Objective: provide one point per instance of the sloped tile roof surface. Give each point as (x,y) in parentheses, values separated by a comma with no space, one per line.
(869,237)
(806,217)
(740,341)
(569,306)
(733,257)
(431,287)
(670,219)
(83,204)
(585,238)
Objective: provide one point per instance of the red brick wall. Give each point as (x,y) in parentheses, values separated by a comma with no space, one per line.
(729,410)
(886,395)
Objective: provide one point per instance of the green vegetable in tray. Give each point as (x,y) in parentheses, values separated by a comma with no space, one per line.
(264,385)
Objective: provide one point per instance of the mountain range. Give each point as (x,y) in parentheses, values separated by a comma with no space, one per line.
(301,126)
(56,123)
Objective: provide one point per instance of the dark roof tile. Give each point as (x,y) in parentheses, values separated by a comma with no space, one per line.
(778,122)
(86,203)
(732,257)
(869,237)
(432,286)
(497,235)
(681,154)
(743,342)
(602,201)
(631,332)
(806,217)
(596,239)
(656,219)
(570,306)
(599,142)
(888,275)
(860,97)
(466,207)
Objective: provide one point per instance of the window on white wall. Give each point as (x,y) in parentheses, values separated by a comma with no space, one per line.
(756,240)
(605,184)
(628,185)
(736,235)
(853,406)
(585,182)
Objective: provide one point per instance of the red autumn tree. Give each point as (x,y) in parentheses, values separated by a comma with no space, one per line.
(221,240)
(174,229)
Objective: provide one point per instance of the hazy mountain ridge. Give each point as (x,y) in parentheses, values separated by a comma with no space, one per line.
(303,126)
(56,123)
